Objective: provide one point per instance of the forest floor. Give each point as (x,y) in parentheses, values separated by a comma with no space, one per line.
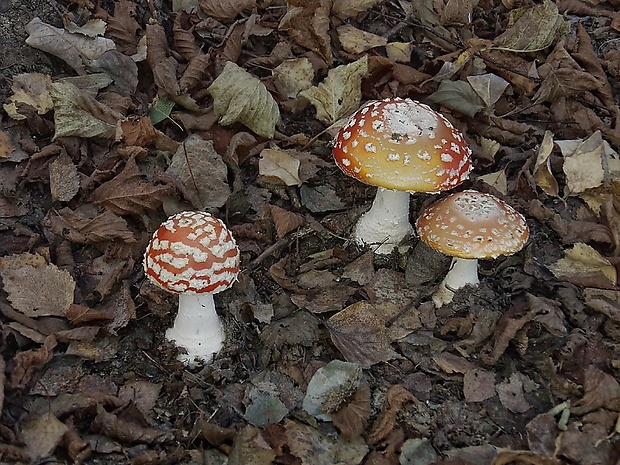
(111,122)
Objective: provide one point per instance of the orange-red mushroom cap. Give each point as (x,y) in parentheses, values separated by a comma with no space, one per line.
(473,225)
(401,144)
(192,252)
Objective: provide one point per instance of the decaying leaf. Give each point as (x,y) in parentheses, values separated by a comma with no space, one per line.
(279,164)
(64,178)
(240,97)
(356,41)
(32,89)
(28,361)
(459,96)
(43,434)
(251,448)
(265,410)
(345,9)
(583,265)
(396,397)
(307,22)
(340,92)
(129,194)
(202,173)
(536,29)
(36,288)
(497,180)
(360,335)
(293,76)
(511,394)
(285,221)
(489,87)
(223,10)
(82,226)
(126,431)
(478,385)
(542,174)
(75,49)
(6,147)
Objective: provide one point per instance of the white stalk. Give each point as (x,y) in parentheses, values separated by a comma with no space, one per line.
(386,224)
(462,272)
(197,328)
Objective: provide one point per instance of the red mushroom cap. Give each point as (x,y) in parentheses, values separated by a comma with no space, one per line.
(473,224)
(402,144)
(192,252)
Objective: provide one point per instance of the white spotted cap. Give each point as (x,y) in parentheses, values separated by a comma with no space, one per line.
(473,224)
(192,252)
(402,144)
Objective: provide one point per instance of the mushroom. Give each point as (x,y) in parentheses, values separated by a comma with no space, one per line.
(193,254)
(468,226)
(400,146)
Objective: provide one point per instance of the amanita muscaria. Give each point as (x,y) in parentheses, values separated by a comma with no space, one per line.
(400,146)
(193,254)
(468,226)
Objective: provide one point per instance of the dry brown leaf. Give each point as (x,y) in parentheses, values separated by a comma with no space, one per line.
(396,397)
(511,394)
(36,288)
(139,131)
(129,194)
(360,336)
(223,10)
(157,45)
(79,314)
(601,390)
(184,40)
(250,447)
(111,425)
(202,173)
(75,49)
(143,394)
(121,68)
(459,96)
(457,12)
(293,76)
(523,457)
(279,164)
(285,221)
(123,28)
(307,22)
(489,87)
(28,361)
(583,265)
(6,147)
(64,178)
(82,226)
(42,435)
(353,417)
(478,385)
(195,71)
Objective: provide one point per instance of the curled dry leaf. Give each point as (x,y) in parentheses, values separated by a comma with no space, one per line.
(307,22)
(583,265)
(27,362)
(360,335)
(396,397)
(489,87)
(76,50)
(340,93)
(279,164)
(586,163)
(285,220)
(511,394)
(536,29)
(111,425)
(85,227)
(459,96)
(223,10)
(202,173)
(251,448)
(121,68)
(129,194)
(42,435)
(139,131)
(123,27)
(345,9)
(36,288)
(542,174)
(184,39)
(33,89)
(353,417)
(240,97)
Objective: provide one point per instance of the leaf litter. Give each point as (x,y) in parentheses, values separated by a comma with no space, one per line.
(334,355)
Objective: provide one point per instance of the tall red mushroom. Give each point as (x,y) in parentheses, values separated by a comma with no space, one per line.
(193,254)
(400,146)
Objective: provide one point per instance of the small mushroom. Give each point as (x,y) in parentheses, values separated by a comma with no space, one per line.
(193,254)
(400,146)
(468,226)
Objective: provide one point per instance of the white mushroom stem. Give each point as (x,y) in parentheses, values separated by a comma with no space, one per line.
(386,224)
(197,328)
(462,272)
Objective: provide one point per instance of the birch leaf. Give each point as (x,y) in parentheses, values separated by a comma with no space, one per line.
(240,97)
(340,93)
(542,169)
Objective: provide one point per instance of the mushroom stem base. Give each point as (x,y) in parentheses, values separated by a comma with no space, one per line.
(463,272)
(197,328)
(386,224)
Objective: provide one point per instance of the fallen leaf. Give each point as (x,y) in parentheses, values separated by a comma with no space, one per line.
(33,89)
(357,41)
(240,97)
(36,288)
(202,172)
(6,147)
(307,22)
(360,336)
(497,180)
(123,28)
(459,96)
(143,394)
(82,226)
(293,76)
(28,361)
(265,410)
(285,221)
(536,29)
(400,52)
(583,265)
(601,390)
(128,193)
(223,10)
(279,164)
(250,448)
(478,385)
(345,9)
(584,165)
(42,435)
(396,397)
(121,69)
(64,178)
(511,395)
(128,432)
(489,87)
(340,92)
(320,199)
(75,49)
(542,174)
(352,418)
